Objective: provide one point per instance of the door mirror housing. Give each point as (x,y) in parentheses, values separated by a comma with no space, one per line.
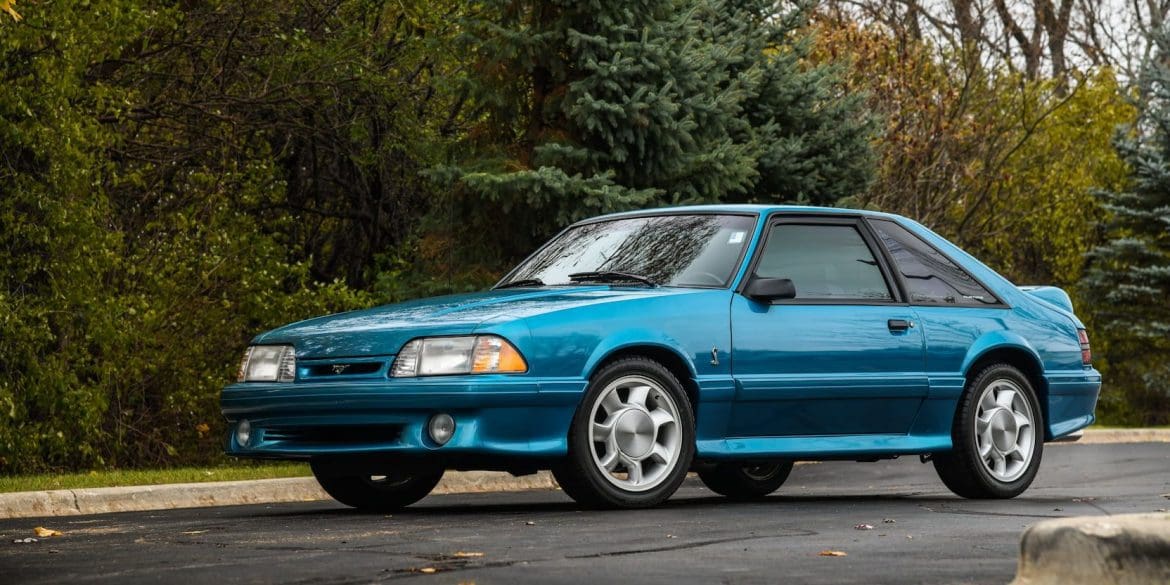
(766,290)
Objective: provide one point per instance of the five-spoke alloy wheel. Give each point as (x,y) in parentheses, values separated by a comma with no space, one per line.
(632,439)
(1003,430)
(998,436)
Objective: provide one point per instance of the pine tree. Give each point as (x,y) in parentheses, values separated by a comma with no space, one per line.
(814,138)
(591,107)
(1128,281)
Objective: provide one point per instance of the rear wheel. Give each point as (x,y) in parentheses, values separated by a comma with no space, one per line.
(632,439)
(998,437)
(746,482)
(378,493)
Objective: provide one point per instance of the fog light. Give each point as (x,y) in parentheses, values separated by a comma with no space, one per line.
(441,428)
(243,433)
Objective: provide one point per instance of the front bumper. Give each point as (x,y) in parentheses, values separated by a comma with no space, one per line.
(495,416)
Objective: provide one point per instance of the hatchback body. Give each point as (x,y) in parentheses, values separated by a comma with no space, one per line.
(631,348)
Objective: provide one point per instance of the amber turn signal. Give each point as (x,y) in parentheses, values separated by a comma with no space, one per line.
(495,355)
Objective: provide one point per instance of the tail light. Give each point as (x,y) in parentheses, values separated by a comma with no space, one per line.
(1086,353)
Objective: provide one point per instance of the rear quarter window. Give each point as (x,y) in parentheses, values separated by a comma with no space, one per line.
(930,277)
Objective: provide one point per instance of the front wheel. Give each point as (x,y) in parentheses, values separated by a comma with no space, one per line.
(378,493)
(998,437)
(632,439)
(746,482)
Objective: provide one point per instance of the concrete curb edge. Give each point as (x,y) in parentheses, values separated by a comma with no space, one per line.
(230,493)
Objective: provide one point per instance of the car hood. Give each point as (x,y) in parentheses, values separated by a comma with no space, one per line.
(383,330)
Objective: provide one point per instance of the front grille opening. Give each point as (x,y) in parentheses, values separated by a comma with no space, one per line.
(338,370)
(335,435)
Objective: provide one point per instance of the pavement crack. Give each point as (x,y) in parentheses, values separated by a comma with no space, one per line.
(980,513)
(450,567)
(76,504)
(689,545)
(1096,507)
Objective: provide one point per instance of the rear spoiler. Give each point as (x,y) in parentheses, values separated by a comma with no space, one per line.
(1051,295)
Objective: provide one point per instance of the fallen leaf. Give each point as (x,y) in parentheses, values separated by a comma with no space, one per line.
(9,6)
(43,532)
(832,553)
(863,527)
(889,521)
(467,555)
(428,570)
(202,427)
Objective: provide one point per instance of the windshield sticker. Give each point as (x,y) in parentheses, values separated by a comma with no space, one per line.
(736,238)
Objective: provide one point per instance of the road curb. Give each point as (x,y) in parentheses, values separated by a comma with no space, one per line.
(1096,550)
(229,493)
(1106,436)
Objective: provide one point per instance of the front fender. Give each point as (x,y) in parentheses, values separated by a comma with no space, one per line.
(636,338)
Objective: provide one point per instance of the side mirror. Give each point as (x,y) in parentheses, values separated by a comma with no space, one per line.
(766,290)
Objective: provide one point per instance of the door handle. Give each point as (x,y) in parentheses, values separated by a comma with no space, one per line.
(899,324)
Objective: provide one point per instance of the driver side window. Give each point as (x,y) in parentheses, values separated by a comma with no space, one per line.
(824,262)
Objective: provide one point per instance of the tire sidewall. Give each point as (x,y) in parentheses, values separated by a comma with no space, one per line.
(581,451)
(967,440)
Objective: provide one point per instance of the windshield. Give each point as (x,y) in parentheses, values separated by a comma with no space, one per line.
(671,250)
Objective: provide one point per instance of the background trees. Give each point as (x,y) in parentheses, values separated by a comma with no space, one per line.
(1129,275)
(586,108)
(177,178)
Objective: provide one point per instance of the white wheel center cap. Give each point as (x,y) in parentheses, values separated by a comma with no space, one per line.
(1004,428)
(634,432)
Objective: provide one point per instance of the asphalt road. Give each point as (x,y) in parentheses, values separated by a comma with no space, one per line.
(921,533)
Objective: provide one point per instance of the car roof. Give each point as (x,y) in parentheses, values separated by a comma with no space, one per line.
(755,209)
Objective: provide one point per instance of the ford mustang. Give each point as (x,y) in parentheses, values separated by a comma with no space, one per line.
(632,348)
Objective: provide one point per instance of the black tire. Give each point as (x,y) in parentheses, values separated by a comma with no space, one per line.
(963,469)
(378,493)
(582,474)
(746,482)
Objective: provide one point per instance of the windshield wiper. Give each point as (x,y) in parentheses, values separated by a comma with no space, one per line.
(520,283)
(610,276)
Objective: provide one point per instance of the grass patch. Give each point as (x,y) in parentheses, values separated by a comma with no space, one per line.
(115,478)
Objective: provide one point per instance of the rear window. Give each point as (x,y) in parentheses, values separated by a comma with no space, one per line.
(931,278)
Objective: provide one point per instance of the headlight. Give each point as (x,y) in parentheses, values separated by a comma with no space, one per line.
(268,363)
(437,356)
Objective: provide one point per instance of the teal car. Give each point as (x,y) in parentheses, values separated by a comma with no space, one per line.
(632,348)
